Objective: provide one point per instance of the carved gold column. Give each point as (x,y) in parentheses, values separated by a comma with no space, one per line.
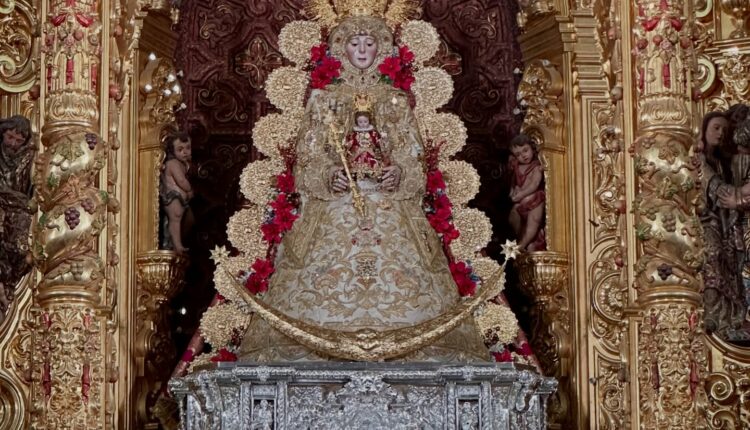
(669,364)
(72,348)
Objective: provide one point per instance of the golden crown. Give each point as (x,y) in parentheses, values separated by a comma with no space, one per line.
(393,11)
(362,103)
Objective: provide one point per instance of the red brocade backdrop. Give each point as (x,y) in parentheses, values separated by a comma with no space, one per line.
(227,48)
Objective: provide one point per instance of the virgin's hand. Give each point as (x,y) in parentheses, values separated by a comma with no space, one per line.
(339,184)
(391,178)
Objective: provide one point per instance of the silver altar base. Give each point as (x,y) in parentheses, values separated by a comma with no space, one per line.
(336,395)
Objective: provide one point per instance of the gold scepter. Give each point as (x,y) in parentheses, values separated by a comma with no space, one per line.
(335,140)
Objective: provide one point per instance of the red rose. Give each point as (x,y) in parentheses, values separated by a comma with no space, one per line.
(285,182)
(390,67)
(263,268)
(224,355)
(503,357)
(255,284)
(405,54)
(318,52)
(442,202)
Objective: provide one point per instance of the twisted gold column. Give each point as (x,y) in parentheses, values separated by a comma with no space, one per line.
(73,362)
(666,323)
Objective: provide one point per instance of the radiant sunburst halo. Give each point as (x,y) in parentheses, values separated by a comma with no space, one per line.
(510,249)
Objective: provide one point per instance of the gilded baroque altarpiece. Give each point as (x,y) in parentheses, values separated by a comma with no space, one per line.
(612,91)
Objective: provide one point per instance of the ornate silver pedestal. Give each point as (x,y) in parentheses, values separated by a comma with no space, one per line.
(331,395)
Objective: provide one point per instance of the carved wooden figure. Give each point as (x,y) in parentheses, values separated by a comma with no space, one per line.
(16,156)
(175,190)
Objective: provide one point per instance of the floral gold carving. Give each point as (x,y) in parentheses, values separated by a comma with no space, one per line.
(538,94)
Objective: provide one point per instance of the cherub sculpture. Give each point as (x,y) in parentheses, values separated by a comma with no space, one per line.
(527,194)
(175,190)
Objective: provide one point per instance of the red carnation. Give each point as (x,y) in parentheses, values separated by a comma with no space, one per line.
(285,220)
(330,67)
(263,268)
(271,232)
(503,357)
(285,182)
(405,54)
(462,275)
(255,284)
(318,52)
(224,355)
(435,181)
(404,81)
(390,67)
(450,234)
(281,204)
(318,79)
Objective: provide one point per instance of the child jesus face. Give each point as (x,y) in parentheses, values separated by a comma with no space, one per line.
(524,153)
(183,150)
(363,121)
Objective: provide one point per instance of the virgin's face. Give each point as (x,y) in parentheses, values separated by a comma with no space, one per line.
(361,51)
(715,131)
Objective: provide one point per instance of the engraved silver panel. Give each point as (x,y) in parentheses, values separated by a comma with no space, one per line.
(389,396)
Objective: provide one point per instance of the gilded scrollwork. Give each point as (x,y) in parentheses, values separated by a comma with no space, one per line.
(539,93)
(735,74)
(19,46)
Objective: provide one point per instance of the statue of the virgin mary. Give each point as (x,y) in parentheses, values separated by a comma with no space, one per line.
(361,239)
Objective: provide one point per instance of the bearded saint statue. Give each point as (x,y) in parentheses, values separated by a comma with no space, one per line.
(362,255)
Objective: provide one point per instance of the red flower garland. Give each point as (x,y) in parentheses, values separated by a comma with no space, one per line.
(224,355)
(281,214)
(326,69)
(398,69)
(439,213)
